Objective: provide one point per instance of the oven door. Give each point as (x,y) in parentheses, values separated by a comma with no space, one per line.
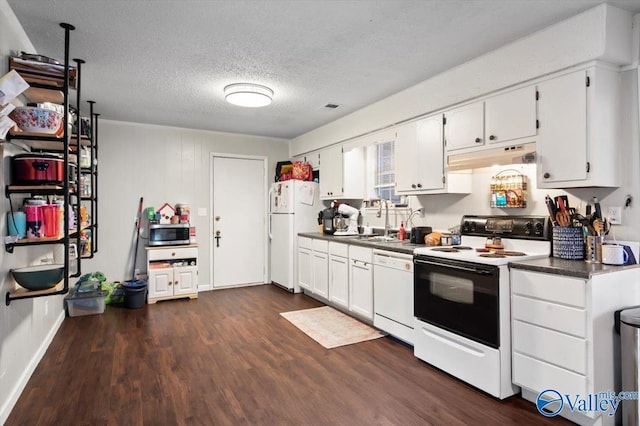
(461,297)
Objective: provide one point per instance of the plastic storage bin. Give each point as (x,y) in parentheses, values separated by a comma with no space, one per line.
(90,303)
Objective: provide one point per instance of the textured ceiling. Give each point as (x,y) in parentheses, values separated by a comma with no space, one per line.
(166,62)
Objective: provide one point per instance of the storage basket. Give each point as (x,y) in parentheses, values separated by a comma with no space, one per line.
(568,243)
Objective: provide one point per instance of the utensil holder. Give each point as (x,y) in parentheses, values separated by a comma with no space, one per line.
(568,243)
(593,252)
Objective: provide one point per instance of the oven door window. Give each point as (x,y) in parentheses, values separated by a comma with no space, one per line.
(460,297)
(457,290)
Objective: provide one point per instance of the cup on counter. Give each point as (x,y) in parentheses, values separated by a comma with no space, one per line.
(613,254)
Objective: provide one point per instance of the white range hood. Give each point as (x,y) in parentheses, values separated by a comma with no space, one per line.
(515,154)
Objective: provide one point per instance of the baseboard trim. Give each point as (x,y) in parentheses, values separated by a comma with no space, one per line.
(31,367)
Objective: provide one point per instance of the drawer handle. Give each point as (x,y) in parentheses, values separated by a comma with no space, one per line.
(173,253)
(445,340)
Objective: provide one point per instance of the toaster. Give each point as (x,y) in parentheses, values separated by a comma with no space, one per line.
(418,233)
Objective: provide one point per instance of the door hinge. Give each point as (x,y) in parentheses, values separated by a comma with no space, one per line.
(537,124)
(588,81)
(444,120)
(443,179)
(342,150)
(588,166)
(537,95)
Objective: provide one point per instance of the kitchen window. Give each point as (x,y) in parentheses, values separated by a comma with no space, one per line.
(380,172)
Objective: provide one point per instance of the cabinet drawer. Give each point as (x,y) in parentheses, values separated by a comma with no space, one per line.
(556,348)
(538,375)
(362,254)
(304,242)
(556,288)
(172,253)
(338,249)
(564,319)
(321,246)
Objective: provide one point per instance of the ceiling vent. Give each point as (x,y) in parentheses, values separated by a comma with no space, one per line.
(331,106)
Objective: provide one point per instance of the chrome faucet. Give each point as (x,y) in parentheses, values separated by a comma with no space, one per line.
(410,218)
(386,218)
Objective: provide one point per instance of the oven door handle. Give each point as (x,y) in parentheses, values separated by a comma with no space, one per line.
(477,271)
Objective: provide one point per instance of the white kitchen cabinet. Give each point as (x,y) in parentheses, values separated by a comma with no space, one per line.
(305,263)
(342,173)
(172,272)
(465,126)
(419,156)
(505,117)
(511,115)
(320,268)
(563,333)
(419,160)
(361,281)
(339,274)
(578,137)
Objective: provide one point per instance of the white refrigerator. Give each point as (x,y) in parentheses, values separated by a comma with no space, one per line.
(293,207)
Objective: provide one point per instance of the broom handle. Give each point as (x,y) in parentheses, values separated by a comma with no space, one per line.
(135,253)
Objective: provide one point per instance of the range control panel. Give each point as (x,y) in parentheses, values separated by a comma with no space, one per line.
(520,227)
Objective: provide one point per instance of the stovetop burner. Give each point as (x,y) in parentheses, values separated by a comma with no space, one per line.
(492,255)
(452,249)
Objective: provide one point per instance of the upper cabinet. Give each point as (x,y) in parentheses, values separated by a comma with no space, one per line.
(578,141)
(342,172)
(465,126)
(419,159)
(501,118)
(511,115)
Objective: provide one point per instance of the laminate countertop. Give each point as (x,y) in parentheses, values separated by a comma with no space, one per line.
(570,268)
(397,246)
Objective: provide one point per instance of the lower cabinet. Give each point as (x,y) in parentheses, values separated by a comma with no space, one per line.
(339,274)
(361,281)
(320,268)
(305,263)
(563,336)
(172,272)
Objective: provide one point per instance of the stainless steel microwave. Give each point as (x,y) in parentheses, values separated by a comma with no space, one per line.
(168,235)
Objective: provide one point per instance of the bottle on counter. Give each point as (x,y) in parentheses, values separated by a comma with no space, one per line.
(401,232)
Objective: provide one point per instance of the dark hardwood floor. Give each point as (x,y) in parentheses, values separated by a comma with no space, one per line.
(229,358)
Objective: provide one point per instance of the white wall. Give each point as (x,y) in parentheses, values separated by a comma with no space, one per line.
(161,164)
(604,33)
(25,329)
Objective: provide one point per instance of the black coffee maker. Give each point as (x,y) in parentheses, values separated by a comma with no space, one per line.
(327,220)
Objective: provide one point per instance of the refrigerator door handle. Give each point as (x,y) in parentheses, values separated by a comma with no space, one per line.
(271,199)
(270,235)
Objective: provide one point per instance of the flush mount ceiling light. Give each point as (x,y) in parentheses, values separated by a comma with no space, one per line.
(248,95)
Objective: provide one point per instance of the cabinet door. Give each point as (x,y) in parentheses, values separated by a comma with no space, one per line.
(160,282)
(406,156)
(185,280)
(562,141)
(465,126)
(429,155)
(331,172)
(305,271)
(321,274)
(511,115)
(339,281)
(361,288)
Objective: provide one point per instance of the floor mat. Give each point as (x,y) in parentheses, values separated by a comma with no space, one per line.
(330,327)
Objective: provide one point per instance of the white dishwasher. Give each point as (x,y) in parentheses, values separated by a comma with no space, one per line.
(393,293)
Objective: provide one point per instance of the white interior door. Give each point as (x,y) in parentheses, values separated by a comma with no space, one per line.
(239,220)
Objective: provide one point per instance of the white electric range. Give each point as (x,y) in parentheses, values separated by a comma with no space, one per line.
(462,298)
